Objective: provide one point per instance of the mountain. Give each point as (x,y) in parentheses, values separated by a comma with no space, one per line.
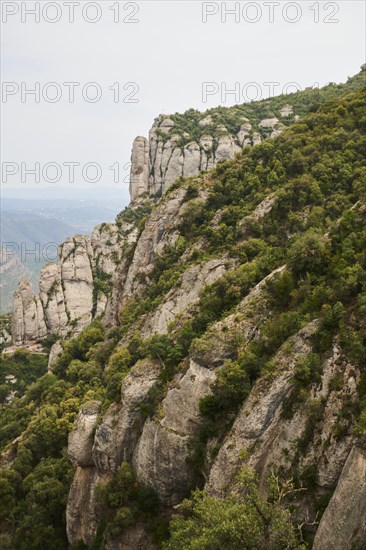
(28,229)
(206,383)
(39,220)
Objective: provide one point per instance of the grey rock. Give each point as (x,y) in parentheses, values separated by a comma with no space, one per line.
(28,322)
(83,510)
(244,132)
(117,435)
(259,416)
(55,353)
(180,298)
(139,178)
(160,458)
(81,438)
(269,122)
(207,121)
(343,524)
(286,110)
(65,305)
(159,231)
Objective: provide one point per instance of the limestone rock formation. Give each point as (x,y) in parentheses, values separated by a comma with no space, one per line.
(55,353)
(91,276)
(70,291)
(261,410)
(168,154)
(158,232)
(97,452)
(139,167)
(82,507)
(116,437)
(179,299)
(160,458)
(271,437)
(343,524)
(28,320)
(81,438)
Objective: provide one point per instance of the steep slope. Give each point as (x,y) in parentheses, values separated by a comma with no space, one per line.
(234,337)
(179,145)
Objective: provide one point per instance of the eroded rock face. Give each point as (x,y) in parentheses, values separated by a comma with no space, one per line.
(55,353)
(160,458)
(261,411)
(139,167)
(117,435)
(70,290)
(272,437)
(343,524)
(82,512)
(219,343)
(180,298)
(81,438)
(158,162)
(159,231)
(97,453)
(28,322)
(67,300)
(66,288)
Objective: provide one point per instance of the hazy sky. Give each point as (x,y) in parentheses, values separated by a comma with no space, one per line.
(167,53)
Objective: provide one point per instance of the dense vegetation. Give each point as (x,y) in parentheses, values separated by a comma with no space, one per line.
(316,228)
(188,128)
(18,371)
(242,521)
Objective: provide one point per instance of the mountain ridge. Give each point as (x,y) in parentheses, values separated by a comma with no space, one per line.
(218,343)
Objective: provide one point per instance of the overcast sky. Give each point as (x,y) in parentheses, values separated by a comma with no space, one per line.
(167,53)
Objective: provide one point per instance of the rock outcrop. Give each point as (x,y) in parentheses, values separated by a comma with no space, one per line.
(171,153)
(98,450)
(184,295)
(139,167)
(73,290)
(160,231)
(160,458)
(28,319)
(82,512)
(81,438)
(343,524)
(116,437)
(55,353)
(262,428)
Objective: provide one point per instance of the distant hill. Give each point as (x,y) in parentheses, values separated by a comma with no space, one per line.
(20,227)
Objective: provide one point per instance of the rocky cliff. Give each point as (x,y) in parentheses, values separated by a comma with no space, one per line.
(75,289)
(219,321)
(172,152)
(79,286)
(87,278)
